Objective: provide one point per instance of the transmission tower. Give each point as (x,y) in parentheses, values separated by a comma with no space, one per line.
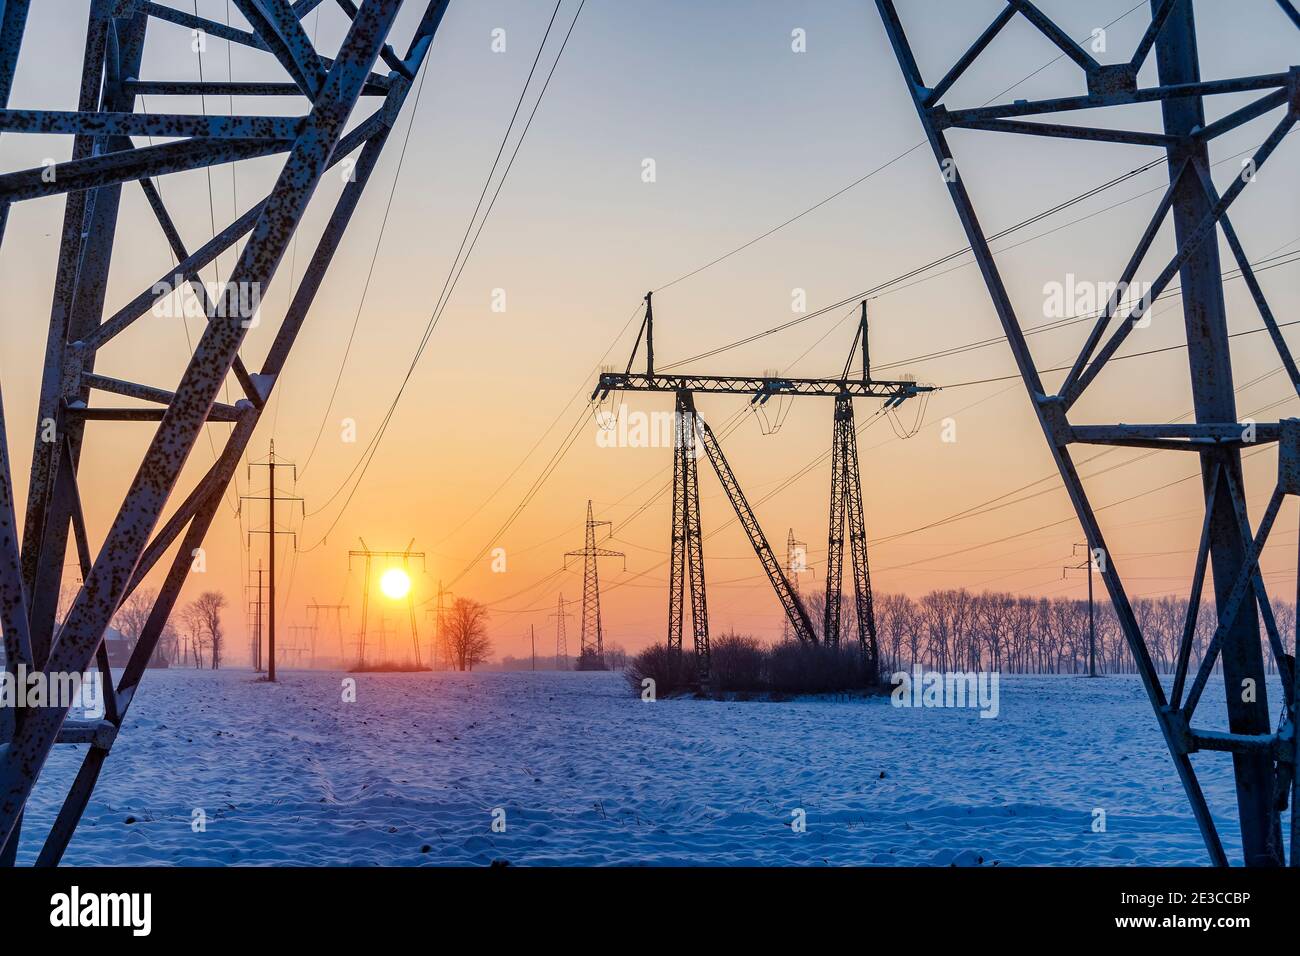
(691,433)
(304,640)
(846,507)
(82,333)
(337,611)
(405,556)
(796,562)
(1263,757)
(561,637)
(438,614)
(591,655)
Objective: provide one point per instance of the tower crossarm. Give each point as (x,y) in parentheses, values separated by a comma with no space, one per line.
(758,388)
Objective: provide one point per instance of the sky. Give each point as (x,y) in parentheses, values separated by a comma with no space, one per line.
(744,133)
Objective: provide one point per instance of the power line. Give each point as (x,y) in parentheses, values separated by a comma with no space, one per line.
(449,286)
(862,179)
(370,272)
(549,467)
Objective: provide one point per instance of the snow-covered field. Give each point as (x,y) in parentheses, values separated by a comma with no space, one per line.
(586,773)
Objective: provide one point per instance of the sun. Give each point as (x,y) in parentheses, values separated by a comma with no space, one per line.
(395,583)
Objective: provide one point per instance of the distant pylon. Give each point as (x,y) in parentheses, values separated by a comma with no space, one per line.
(561,637)
(796,562)
(591,655)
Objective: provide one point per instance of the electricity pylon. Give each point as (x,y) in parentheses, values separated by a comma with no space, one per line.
(337,610)
(591,655)
(438,614)
(561,635)
(1263,757)
(83,332)
(846,508)
(405,556)
(690,432)
(796,562)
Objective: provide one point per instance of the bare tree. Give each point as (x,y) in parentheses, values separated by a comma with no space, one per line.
(169,644)
(897,624)
(132,616)
(466,634)
(192,634)
(958,629)
(206,618)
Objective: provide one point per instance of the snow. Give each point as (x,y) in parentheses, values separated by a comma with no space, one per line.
(587,773)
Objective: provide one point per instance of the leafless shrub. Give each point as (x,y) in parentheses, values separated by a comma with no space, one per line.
(672,671)
(738,663)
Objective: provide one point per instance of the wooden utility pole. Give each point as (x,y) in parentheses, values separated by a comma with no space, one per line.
(1092,620)
(270,463)
(256,654)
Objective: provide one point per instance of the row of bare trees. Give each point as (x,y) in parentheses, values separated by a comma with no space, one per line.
(193,637)
(989,630)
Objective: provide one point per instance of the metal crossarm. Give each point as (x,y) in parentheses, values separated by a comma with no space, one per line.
(1263,756)
(760,389)
(104,159)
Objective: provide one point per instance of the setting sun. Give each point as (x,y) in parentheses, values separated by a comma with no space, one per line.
(395,583)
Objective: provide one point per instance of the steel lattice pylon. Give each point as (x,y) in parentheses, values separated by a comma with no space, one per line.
(561,636)
(687,539)
(591,653)
(104,157)
(691,432)
(846,508)
(1263,757)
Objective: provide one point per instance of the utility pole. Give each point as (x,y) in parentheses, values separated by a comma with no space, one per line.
(257,617)
(1090,564)
(532,635)
(561,637)
(271,462)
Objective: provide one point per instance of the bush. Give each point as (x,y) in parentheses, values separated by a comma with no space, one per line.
(737,663)
(672,671)
(388,667)
(795,668)
(740,664)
